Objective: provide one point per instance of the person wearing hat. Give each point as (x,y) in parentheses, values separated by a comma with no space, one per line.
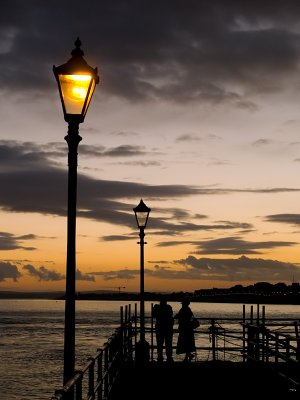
(186,339)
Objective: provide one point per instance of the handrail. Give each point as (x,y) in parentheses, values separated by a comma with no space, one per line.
(98,375)
(245,339)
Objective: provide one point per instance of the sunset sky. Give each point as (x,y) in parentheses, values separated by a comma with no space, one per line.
(197,112)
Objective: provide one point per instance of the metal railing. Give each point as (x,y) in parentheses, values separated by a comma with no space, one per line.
(251,338)
(96,379)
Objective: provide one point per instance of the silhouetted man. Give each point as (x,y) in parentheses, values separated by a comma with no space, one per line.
(163,314)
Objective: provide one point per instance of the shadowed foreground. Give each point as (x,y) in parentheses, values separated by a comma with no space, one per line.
(194,380)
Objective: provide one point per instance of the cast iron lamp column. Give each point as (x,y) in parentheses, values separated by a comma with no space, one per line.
(141,214)
(76,82)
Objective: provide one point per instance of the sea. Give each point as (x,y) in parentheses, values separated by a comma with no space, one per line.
(32,336)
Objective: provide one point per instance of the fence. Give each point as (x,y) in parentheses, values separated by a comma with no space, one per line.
(251,338)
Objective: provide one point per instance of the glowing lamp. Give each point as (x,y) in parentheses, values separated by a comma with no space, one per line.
(76,83)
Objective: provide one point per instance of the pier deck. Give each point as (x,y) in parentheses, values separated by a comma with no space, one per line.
(195,380)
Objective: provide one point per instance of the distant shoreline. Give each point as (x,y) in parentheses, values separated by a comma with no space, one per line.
(291,299)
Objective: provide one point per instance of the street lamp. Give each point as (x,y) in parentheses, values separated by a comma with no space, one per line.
(76,83)
(141,214)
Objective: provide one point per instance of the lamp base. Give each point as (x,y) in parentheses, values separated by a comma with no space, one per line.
(142,352)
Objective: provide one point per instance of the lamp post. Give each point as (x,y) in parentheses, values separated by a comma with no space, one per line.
(76,83)
(142,347)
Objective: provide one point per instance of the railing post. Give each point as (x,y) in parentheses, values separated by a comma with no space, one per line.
(135,325)
(244,333)
(264,315)
(250,343)
(257,343)
(99,375)
(213,339)
(78,387)
(121,316)
(152,330)
(288,343)
(298,349)
(276,348)
(106,382)
(267,346)
(91,391)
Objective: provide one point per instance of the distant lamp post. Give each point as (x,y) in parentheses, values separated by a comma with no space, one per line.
(76,83)
(142,214)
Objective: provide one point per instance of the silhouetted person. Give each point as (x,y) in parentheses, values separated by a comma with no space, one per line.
(186,339)
(163,314)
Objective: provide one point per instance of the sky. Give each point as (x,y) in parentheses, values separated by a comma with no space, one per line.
(197,113)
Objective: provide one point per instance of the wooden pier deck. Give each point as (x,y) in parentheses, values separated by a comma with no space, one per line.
(200,380)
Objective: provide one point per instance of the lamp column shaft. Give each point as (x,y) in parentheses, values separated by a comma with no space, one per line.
(73,140)
(142,288)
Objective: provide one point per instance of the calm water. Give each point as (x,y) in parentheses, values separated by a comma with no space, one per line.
(31,338)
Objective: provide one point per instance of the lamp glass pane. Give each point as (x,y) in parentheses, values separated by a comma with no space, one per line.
(90,94)
(141,218)
(74,89)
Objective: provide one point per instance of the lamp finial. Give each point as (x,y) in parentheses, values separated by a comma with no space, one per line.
(77,52)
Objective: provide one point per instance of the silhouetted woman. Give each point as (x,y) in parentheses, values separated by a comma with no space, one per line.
(186,339)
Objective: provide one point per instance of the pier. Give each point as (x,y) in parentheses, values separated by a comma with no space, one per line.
(251,356)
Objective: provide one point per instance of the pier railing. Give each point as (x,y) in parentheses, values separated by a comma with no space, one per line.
(251,338)
(96,379)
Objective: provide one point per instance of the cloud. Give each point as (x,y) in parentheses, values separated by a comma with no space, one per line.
(292,219)
(34,183)
(142,163)
(228,245)
(227,269)
(117,274)
(9,271)
(209,51)
(8,241)
(261,142)
(114,238)
(119,151)
(43,274)
(240,269)
(236,245)
(84,277)
(188,137)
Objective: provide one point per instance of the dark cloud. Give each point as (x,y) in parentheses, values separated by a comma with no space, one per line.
(191,51)
(228,245)
(35,183)
(43,274)
(84,277)
(292,219)
(9,271)
(119,151)
(240,269)
(114,238)
(237,246)
(232,269)
(118,274)
(189,138)
(143,164)
(8,241)
(261,142)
